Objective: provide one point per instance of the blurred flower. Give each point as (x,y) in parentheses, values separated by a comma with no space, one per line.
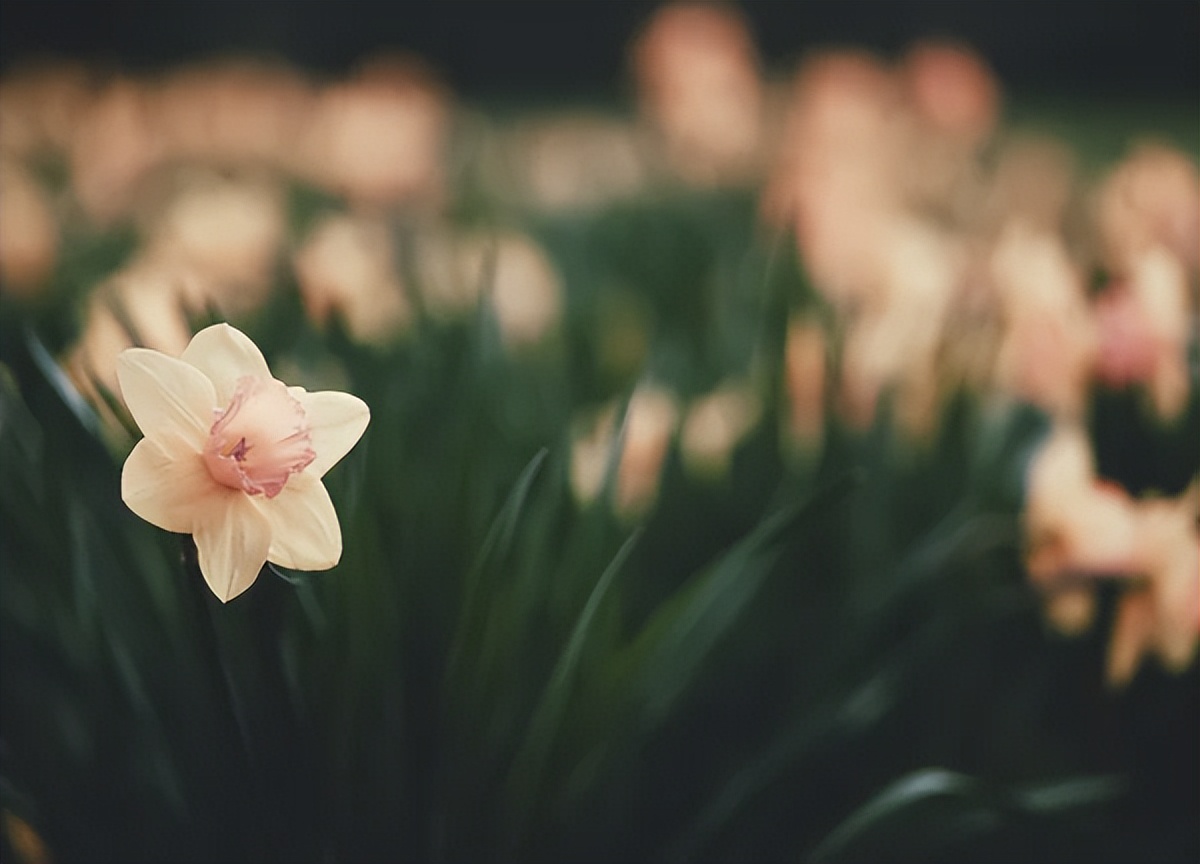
(228,231)
(1161,616)
(1049,344)
(235,457)
(835,181)
(714,426)
(41,105)
(509,268)
(1143,331)
(650,422)
(894,340)
(1033,181)
(141,305)
(525,291)
(952,107)
(28,232)
(346,268)
(380,137)
(1151,198)
(952,90)
(804,379)
(1080,529)
(1076,527)
(24,841)
(234,111)
(699,84)
(574,161)
(113,149)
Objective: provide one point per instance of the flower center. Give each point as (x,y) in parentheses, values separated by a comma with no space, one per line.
(260,439)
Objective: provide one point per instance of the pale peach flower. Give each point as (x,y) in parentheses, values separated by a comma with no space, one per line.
(836,177)
(952,89)
(651,419)
(1162,616)
(114,148)
(235,457)
(894,341)
(379,138)
(1033,181)
(525,291)
(232,111)
(650,425)
(951,104)
(1077,528)
(715,425)
(523,287)
(40,106)
(141,305)
(1049,344)
(28,232)
(699,84)
(570,162)
(805,369)
(1151,198)
(1143,331)
(346,267)
(228,231)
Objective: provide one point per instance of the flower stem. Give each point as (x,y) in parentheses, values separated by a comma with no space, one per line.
(232,727)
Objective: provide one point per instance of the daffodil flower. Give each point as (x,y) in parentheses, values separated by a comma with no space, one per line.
(234,457)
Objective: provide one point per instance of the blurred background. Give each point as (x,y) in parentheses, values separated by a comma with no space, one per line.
(534,49)
(785,436)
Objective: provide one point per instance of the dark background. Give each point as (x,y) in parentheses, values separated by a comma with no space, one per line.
(1145,49)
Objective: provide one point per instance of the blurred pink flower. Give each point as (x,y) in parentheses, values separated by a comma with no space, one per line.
(380,137)
(346,268)
(1152,198)
(29,233)
(235,457)
(699,84)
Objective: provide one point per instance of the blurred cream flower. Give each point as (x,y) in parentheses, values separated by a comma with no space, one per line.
(805,367)
(952,90)
(715,425)
(526,291)
(1162,615)
(1050,343)
(235,457)
(567,162)
(650,423)
(346,267)
(113,149)
(508,268)
(41,105)
(28,232)
(698,80)
(1143,331)
(235,110)
(380,137)
(1080,529)
(227,231)
(1151,198)
(141,305)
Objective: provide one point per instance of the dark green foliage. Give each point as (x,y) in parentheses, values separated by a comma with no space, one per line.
(839,664)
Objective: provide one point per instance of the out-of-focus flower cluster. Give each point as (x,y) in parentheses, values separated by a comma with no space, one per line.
(945,254)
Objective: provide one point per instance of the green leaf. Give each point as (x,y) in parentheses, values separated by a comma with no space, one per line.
(529,766)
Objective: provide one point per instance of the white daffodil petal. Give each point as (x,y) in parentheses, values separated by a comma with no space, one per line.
(336,420)
(305,534)
(170,400)
(232,537)
(165,488)
(225,354)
